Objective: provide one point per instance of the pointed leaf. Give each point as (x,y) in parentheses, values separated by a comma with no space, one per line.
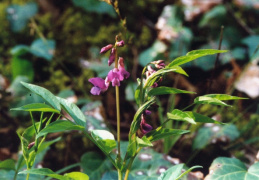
(104,139)
(167,90)
(77,176)
(73,111)
(7,164)
(45,172)
(223,97)
(36,107)
(180,116)
(144,142)
(59,126)
(209,100)
(201,118)
(160,133)
(44,93)
(194,55)
(153,77)
(172,173)
(230,168)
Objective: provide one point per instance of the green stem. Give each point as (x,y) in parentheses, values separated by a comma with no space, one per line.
(118,120)
(33,122)
(27,177)
(119,174)
(130,164)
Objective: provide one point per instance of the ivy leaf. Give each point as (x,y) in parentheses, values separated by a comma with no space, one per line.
(231,168)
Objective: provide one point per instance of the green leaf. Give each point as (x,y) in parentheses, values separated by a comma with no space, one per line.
(209,100)
(94,164)
(22,67)
(8,164)
(194,55)
(223,97)
(36,107)
(77,176)
(45,94)
(167,90)
(95,7)
(172,173)
(229,168)
(161,132)
(73,111)
(213,15)
(144,142)
(59,126)
(45,172)
(180,116)
(252,43)
(43,48)
(201,118)
(154,77)
(19,15)
(104,139)
(206,135)
(187,171)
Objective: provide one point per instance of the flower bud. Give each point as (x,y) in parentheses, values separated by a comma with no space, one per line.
(106,48)
(159,64)
(120,43)
(112,56)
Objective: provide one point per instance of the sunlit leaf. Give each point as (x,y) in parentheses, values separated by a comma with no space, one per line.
(230,168)
(167,90)
(45,94)
(45,172)
(201,118)
(160,133)
(143,142)
(223,97)
(192,55)
(104,139)
(209,100)
(40,107)
(179,115)
(77,176)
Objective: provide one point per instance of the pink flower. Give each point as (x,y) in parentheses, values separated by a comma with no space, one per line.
(115,77)
(106,48)
(120,43)
(99,85)
(112,56)
(122,70)
(159,64)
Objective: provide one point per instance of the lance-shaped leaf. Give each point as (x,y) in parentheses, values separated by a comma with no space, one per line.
(77,176)
(224,97)
(104,139)
(45,172)
(40,107)
(45,94)
(194,55)
(153,77)
(59,126)
(209,100)
(179,115)
(144,142)
(161,132)
(229,168)
(167,90)
(201,118)
(73,111)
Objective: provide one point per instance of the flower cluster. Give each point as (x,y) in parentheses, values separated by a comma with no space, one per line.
(115,76)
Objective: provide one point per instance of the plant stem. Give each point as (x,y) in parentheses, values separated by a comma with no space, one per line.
(130,164)
(119,175)
(118,119)
(33,122)
(27,177)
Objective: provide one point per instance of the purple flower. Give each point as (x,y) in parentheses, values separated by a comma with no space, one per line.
(99,85)
(106,48)
(144,127)
(112,56)
(120,43)
(115,77)
(124,73)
